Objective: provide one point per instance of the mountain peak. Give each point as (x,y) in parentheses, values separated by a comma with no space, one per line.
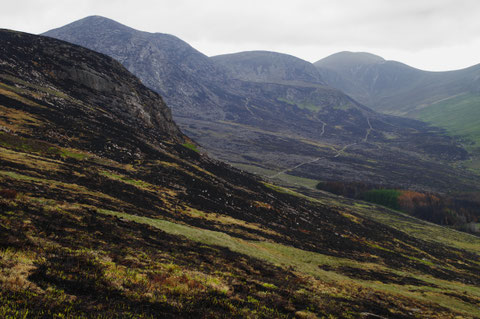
(268,66)
(93,21)
(347,59)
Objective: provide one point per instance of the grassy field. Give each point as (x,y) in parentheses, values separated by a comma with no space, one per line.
(459,115)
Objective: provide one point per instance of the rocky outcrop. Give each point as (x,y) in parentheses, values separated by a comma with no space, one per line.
(186,78)
(93,78)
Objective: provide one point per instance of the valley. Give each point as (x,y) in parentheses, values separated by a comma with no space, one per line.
(271,112)
(445,99)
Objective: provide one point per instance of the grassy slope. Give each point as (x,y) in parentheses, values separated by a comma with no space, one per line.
(403,222)
(460,115)
(142,271)
(304,261)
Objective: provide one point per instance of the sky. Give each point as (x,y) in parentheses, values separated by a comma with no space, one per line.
(435,35)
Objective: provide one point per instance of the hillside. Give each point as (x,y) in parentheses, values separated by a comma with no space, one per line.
(271,113)
(445,99)
(107,210)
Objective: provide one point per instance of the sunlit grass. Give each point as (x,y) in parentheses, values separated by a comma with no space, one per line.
(308,262)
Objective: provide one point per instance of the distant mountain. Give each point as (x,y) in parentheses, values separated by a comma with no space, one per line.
(346,60)
(265,66)
(272,113)
(447,99)
(373,81)
(108,211)
(392,86)
(163,62)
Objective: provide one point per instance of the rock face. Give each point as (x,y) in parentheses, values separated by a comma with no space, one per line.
(273,112)
(185,77)
(90,77)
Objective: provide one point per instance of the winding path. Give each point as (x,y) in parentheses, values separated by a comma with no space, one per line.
(323,127)
(295,167)
(343,149)
(364,140)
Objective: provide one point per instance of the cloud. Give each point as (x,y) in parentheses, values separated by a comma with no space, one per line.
(219,26)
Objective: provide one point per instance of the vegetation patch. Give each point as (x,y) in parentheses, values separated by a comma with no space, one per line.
(191,146)
(303,261)
(128,180)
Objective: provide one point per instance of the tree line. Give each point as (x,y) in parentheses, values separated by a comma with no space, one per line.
(461,211)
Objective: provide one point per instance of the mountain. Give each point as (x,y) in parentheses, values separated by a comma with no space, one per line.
(272,114)
(394,87)
(348,60)
(156,59)
(446,99)
(266,66)
(108,210)
(367,77)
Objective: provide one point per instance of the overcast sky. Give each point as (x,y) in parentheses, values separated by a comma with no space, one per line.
(427,34)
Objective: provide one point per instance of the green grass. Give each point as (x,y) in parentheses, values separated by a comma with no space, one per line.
(73,154)
(285,190)
(300,181)
(281,99)
(473,164)
(28,145)
(459,115)
(302,105)
(308,263)
(72,188)
(413,226)
(254,169)
(191,146)
(420,229)
(277,254)
(127,180)
(20,176)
